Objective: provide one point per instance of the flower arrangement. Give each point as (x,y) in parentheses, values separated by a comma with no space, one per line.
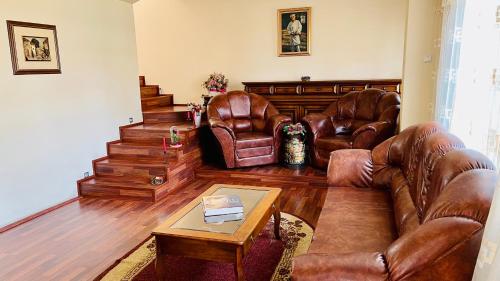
(216,82)
(195,108)
(294,129)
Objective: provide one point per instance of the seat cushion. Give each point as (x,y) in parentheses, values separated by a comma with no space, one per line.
(253,139)
(334,143)
(354,220)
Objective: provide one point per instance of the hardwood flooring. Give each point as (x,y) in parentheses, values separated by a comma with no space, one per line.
(82,239)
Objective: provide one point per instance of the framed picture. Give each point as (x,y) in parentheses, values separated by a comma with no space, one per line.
(294,32)
(33,48)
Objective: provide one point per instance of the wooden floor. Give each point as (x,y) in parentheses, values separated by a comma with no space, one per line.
(82,239)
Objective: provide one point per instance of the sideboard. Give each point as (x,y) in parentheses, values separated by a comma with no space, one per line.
(298,98)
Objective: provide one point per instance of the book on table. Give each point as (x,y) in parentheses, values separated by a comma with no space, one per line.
(221,205)
(224,218)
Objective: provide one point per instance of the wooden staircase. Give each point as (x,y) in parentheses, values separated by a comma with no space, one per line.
(126,171)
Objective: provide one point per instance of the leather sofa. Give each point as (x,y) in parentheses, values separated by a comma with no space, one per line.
(414,208)
(360,119)
(247,127)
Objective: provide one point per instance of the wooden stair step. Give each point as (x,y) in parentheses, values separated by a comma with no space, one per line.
(142,81)
(111,189)
(137,168)
(143,150)
(154,133)
(157,101)
(150,91)
(165,114)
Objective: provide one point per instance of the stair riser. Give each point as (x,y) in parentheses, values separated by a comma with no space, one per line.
(143,152)
(154,137)
(144,173)
(166,117)
(149,91)
(107,192)
(176,181)
(147,104)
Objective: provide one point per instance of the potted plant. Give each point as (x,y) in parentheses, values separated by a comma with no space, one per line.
(216,84)
(295,149)
(196,110)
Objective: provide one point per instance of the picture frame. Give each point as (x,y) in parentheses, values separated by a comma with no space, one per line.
(294,32)
(33,48)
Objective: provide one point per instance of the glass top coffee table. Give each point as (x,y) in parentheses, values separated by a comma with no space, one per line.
(186,234)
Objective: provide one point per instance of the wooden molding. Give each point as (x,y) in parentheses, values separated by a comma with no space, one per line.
(36,215)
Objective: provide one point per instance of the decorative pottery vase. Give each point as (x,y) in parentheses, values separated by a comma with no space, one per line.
(294,151)
(197,119)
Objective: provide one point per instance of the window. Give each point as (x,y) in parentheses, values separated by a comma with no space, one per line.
(468,98)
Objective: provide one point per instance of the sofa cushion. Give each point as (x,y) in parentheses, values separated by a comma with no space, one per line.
(253,139)
(254,151)
(354,219)
(334,143)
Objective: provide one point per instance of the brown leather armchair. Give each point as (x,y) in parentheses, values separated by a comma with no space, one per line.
(360,119)
(414,208)
(248,128)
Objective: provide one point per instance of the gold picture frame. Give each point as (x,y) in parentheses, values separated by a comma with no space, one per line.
(294,32)
(33,48)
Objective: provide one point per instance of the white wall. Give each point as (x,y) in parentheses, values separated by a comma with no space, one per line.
(52,126)
(419,78)
(181,41)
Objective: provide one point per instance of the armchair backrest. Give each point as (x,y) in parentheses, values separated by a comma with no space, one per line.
(358,108)
(241,111)
(442,193)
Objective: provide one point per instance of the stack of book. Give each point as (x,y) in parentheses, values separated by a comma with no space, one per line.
(222,208)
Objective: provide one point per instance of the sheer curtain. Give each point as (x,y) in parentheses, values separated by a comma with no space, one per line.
(468,90)
(468,98)
(451,42)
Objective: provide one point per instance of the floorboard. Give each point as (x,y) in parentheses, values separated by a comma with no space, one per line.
(82,239)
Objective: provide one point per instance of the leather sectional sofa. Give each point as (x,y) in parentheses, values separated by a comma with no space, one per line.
(414,208)
(247,127)
(360,119)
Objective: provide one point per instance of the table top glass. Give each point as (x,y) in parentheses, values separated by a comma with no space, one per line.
(194,219)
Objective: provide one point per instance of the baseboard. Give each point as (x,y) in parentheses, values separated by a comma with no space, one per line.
(36,215)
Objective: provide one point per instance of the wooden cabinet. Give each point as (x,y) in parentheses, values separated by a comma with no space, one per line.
(297,99)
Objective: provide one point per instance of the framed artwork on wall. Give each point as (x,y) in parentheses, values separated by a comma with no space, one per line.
(33,48)
(294,32)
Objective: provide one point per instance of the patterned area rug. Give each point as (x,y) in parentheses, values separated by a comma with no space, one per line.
(268,259)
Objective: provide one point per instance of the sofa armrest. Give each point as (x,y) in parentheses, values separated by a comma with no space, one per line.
(352,266)
(318,124)
(369,135)
(217,123)
(275,123)
(350,168)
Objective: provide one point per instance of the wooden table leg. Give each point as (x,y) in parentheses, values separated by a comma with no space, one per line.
(277,219)
(161,261)
(238,266)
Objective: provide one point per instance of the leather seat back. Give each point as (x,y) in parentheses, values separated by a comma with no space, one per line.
(358,108)
(242,111)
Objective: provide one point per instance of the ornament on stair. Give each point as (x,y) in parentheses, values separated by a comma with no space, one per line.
(157,180)
(196,110)
(174,137)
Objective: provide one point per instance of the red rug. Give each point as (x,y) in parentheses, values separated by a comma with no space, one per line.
(268,258)
(259,264)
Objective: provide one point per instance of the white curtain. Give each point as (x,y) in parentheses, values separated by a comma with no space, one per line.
(468,97)
(451,39)
(488,261)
